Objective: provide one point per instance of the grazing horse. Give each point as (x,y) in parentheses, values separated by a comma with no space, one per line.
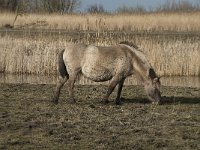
(100,64)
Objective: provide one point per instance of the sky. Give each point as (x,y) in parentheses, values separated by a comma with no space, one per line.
(111,5)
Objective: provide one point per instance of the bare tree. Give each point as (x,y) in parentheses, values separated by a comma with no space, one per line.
(129,10)
(51,6)
(95,8)
(61,6)
(9,5)
(180,6)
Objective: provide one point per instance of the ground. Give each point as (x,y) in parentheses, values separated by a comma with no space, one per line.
(28,120)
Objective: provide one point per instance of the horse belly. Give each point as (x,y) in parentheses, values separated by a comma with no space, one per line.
(97,74)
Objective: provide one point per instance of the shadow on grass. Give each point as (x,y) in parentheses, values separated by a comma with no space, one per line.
(136,100)
(165,100)
(181,100)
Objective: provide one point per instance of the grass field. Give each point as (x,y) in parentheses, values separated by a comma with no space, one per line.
(186,22)
(169,40)
(170,55)
(28,120)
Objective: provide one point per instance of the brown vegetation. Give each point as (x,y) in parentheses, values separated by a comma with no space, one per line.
(28,120)
(176,22)
(169,55)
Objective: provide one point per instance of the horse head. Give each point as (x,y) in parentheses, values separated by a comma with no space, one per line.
(152,87)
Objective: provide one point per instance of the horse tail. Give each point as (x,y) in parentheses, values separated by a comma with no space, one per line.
(62,70)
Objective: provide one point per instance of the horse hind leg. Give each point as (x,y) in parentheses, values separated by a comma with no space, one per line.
(63,76)
(61,81)
(71,82)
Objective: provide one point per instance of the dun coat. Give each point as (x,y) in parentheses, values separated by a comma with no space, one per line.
(99,64)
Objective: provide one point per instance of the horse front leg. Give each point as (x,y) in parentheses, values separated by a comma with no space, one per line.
(114,81)
(120,86)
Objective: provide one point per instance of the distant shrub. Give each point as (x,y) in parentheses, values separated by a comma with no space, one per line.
(96,9)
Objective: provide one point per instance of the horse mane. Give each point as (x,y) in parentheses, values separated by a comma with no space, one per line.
(130,44)
(142,59)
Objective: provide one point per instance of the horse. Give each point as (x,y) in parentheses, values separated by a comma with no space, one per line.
(103,63)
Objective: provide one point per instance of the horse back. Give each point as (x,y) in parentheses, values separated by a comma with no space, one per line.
(102,63)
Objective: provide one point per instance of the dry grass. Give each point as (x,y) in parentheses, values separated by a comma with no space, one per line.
(37,55)
(174,57)
(117,22)
(28,56)
(29,121)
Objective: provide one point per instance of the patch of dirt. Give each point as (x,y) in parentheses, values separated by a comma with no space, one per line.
(28,120)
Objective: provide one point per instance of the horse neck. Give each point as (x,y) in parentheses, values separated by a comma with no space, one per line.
(141,65)
(141,70)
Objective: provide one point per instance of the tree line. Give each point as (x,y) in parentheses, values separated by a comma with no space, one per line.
(70,6)
(36,6)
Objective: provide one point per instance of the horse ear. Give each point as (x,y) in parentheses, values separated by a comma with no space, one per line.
(151,73)
(159,78)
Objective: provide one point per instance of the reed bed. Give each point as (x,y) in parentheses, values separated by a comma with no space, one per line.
(115,22)
(38,54)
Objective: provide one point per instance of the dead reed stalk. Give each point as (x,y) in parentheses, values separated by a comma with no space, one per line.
(169,57)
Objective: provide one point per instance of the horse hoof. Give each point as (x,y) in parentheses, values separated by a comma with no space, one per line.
(72,101)
(54,100)
(118,103)
(104,102)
